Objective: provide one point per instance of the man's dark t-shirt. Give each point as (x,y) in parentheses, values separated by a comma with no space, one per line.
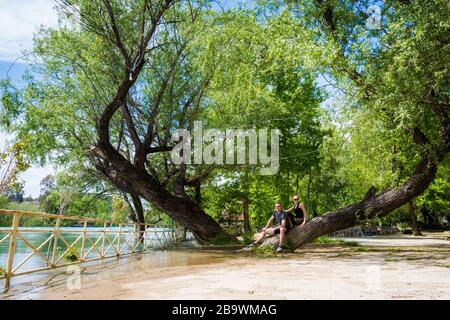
(280,216)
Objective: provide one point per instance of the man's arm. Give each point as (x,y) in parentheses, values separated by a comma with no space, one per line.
(269,223)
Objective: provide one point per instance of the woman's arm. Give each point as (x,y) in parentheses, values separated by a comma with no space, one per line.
(305,214)
(290,209)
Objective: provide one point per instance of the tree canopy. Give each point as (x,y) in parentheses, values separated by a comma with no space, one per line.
(360,98)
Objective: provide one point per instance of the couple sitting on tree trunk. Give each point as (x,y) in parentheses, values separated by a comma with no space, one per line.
(285,220)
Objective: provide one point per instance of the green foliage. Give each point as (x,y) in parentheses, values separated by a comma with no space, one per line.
(351,243)
(435,201)
(262,252)
(71,255)
(4,219)
(288,245)
(221,239)
(25,221)
(247,237)
(24,206)
(271,67)
(13,161)
(325,239)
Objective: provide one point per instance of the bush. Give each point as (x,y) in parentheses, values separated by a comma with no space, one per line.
(404,228)
(247,237)
(71,256)
(2,271)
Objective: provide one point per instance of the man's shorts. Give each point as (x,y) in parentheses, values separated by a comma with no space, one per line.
(277,230)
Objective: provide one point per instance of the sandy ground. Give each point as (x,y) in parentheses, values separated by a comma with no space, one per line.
(380,268)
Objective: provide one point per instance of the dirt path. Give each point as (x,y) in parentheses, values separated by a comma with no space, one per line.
(388,268)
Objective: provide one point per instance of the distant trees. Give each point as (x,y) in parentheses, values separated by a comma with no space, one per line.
(16,192)
(63,194)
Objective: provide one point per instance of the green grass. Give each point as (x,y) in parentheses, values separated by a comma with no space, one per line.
(364,249)
(267,251)
(351,243)
(264,252)
(345,254)
(325,239)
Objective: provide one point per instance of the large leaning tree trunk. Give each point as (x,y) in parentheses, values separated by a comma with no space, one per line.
(140,219)
(129,178)
(374,205)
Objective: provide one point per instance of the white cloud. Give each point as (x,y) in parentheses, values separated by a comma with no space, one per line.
(33,177)
(19,20)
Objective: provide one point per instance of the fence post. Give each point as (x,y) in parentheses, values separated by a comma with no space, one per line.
(118,239)
(102,250)
(12,249)
(48,252)
(55,242)
(144,247)
(83,240)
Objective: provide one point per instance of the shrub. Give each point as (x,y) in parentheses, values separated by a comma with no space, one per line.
(71,256)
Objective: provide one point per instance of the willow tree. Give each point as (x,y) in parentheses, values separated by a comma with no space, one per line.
(117,79)
(113,83)
(392,61)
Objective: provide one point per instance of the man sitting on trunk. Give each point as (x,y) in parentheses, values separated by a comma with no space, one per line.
(283,225)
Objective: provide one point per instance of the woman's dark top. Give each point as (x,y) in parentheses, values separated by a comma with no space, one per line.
(298,212)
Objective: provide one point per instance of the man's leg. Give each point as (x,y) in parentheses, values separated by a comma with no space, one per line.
(269,231)
(282,235)
(261,236)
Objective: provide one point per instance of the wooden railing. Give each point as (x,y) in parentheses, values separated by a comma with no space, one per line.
(59,246)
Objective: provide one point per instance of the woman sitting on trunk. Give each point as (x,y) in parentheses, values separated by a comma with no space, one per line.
(299,211)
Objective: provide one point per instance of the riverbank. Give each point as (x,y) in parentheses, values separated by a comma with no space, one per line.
(378,268)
